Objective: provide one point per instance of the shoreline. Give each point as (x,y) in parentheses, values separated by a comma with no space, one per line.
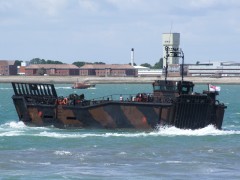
(114,80)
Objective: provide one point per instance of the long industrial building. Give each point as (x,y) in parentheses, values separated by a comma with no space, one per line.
(217,69)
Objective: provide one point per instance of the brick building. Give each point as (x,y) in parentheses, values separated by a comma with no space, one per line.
(52,69)
(104,70)
(8,68)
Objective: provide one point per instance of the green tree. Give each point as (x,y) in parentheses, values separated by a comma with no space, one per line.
(146,65)
(133,64)
(53,62)
(18,63)
(37,61)
(43,61)
(159,64)
(99,63)
(79,63)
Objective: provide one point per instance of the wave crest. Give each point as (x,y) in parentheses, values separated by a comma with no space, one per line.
(20,129)
(161,131)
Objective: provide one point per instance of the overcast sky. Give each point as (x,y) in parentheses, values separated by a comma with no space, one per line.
(106,30)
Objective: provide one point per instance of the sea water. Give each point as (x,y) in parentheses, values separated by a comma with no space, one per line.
(164,153)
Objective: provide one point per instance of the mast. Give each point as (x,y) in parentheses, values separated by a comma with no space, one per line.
(173,52)
(182,56)
(166,68)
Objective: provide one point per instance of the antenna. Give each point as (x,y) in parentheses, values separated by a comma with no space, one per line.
(170,32)
(168,43)
(182,56)
(167,52)
(173,53)
(167,55)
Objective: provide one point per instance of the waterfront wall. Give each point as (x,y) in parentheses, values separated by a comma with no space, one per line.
(116,80)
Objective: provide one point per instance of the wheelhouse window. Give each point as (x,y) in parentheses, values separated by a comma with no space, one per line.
(187,90)
(171,88)
(156,88)
(165,88)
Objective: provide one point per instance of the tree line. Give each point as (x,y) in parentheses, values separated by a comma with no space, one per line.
(43,61)
(157,65)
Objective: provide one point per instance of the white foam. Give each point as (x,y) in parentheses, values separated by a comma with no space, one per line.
(210,150)
(85,135)
(207,131)
(122,153)
(18,161)
(174,162)
(19,128)
(32,149)
(12,129)
(56,135)
(62,153)
(16,125)
(11,133)
(31,163)
(19,125)
(162,131)
(63,88)
(5,88)
(45,163)
(12,125)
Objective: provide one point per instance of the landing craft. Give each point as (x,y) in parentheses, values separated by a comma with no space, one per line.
(82,85)
(171,103)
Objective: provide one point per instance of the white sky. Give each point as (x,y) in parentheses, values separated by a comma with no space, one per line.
(106,30)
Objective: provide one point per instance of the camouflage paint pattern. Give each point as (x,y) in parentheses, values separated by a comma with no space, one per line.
(39,105)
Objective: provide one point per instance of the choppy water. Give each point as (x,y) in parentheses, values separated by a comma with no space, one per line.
(165,153)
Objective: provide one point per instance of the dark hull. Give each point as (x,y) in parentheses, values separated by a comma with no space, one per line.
(116,114)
